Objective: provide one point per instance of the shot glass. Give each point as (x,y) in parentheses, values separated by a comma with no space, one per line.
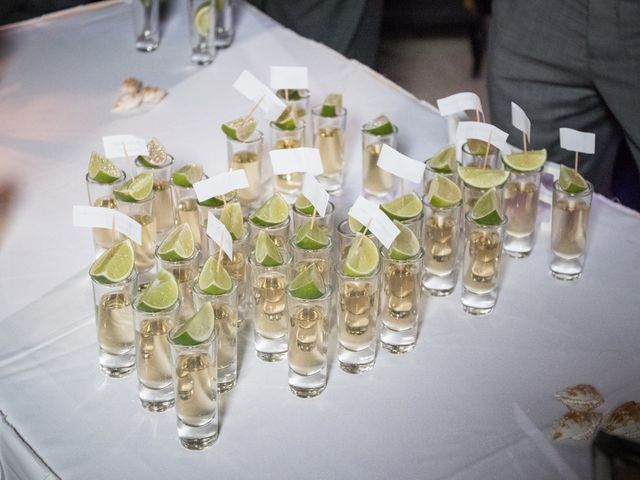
(163,198)
(377,182)
(101,195)
(429,175)
(278,233)
(440,242)
(569,224)
(474,154)
(202,24)
(309,325)
(114,325)
(184,271)
(268,285)
(143,212)
(215,206)
(153,358)
(225,313)
(288,185)
(224,30)
(346,238)
(146,24)
(194,373)
(325,221)
(414,224)
(329,138)
(299,99)
(357,314)
(302,258)
(400,302)
(521,208)
(248,156)
(470,195)
(187,210)
(481,266)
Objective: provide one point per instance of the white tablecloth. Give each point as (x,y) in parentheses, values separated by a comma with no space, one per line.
(472,401)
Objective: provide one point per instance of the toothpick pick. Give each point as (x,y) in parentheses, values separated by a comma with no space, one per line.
(362,235)
(219,253)
(126,155)
(286,95)
(402,190)
(524,143)
(486,153)
(248,115)
(313,218)
(113,228)
(575,163)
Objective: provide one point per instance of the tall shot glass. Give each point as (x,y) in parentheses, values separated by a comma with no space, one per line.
(202,21)
(329,138)
(163,195)
(377,182)
(224,28)
(146,24)
(474,153)
(101,195)
(569,224)
(521,207)
(248,156)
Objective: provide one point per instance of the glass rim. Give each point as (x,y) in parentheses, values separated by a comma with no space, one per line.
(210,340)
(326,295)
(315,110)
(322,249)
(173,308)
(177,263)
(230,196)
(306,93)
(169,163)
(121,178)
(417,257)
(348,233)
(150,198)
(299,127)
(492,148)
(338,269)
(468,219)
(585,193)
(426,204)
(256,137)
(132,276)
(198,290)
(394,132)
(284,223)
(330,209)
(288,259)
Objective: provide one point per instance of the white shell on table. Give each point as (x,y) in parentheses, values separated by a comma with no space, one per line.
(624,420)
(130,85)
(153,94)
(127,101)
(580,398)
(576,425)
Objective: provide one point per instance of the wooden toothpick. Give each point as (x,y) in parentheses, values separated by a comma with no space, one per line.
(524,143)
(286,95)
(362,235)
(313,218)
(575,163)
(126,155)
(220,252)
(486,153)
(248,115)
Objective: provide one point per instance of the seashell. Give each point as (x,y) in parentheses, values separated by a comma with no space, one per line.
(127,101)
(153,94)
(624,420)
(130,85)
(580,398)
(576,425)
(157,153)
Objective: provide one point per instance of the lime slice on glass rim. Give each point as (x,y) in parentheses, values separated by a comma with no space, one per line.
(355,226)
(202,19)
(188,175)
(404,207)
(267,252)
(115,264)
(293,94)
(303,205)
(239,129)
(444,161)
(162,293)
(137,189)
(287,119)
(231,217)
(218,201)
(482,178)
(102,170)
(197,329)
(443,193)
(213,280)
(380,125)
(311,238)
(178,244)
(406,244)
(477,147)
(522,162)
(485,211)
(332,105)
(308,284)
(272,212)
(571,181)
(362,258)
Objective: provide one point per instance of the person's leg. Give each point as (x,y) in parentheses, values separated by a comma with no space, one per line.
(538,58)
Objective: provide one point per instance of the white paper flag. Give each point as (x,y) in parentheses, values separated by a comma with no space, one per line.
(114,146)
(481,131)
(255,90)
(315,193)
(459,102)
(292,160)
(98,217)
(369,213)
(289,78)
(220,184)
(520,120)
(400,165)
(219,234)
(577,141)
(129,227)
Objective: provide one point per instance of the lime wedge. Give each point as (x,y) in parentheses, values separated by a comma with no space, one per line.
(218,201)
(445,160)
(362,258)
(308,284)
(197,329)
(272,212)
(102,170)
(485,211)
(114,265)
(332,105)
(213,280)
(355,226)
(477,147)
(303,205)
(403,208)
(482,178)
(531,161)
(137,189)
(178,244)
(405,245)
(443,193)
(157,154)
(311,238)
(381,125)
(239,129)
(161,293)
(187,175)
(287,119)
(202,19)
(267,252)
(293,94)
(571,181)
(231,217)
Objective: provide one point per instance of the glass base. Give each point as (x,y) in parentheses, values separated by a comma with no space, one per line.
(357,361)
(331,183)
(117,366)
(566,268)
(356,367)
(156,399)
(202,58)
(396,349)
(307,386)
(271,357)
(398,341)
(476,311)
(198,438)
(514,254)
(566,276)
(479,303)
(439,285)
(225,386)
(146,44)
(271,349)
(518,247)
